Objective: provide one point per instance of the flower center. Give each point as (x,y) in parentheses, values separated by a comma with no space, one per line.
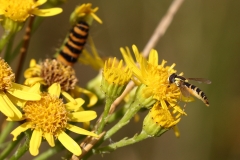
(158,85)
(17,10)
(6,75)
(49,114)
(54,71)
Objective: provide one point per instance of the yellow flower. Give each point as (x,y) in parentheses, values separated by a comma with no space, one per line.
(86,13)
(11,92)
(160,119)
(115,77)
(20,10)
(50,117)
(53,71)
(154,76)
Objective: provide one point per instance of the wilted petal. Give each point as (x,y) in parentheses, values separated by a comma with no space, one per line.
(69,143)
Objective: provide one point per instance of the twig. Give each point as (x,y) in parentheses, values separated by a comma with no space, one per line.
(23,50)
(87,145)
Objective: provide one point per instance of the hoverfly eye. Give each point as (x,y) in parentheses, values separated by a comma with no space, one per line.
(171,78)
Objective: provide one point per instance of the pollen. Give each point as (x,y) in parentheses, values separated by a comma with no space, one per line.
(6,75)
(53,71)
(23,8)
(48,115)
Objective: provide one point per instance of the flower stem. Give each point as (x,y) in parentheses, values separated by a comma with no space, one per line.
(124,142)
(22,149)
(4,39)
(133,109)
(5,132)
(103,121)
(10,147)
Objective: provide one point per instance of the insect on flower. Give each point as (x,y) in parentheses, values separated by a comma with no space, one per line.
(187,88)
(75,43)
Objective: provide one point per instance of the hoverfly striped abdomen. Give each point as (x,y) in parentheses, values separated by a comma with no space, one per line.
(196,92)
(187,88)
(74,44)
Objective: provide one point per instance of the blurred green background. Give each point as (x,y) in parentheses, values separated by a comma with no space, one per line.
(203,40)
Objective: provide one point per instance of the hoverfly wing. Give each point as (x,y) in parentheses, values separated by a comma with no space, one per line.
(186,95)
(200,80)
(184,91)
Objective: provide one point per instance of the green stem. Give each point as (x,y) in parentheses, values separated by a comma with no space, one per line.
(133,109)
(124,142)
(8,50)
(5,39)
(22,150)
(103,121)
(5,132)
(50,152)
(116,115)
(10,147)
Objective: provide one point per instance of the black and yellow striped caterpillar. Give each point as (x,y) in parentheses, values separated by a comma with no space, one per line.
(74,44)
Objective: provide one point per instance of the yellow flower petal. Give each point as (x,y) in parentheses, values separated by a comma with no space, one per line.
(176,131)
(55,89)
(50,139)
(23,127)
(153,57)
(96,18)
(7,105)
(40,2)
(35,142)
(68,97)
(33,80)
(163,104)
(92,97)
(47,12)
(4,108)
(20,93)
(35,88)
(80,130)
(69,143)
(32,63)
(76,105)
(83,116)
(15,119)
(16,101)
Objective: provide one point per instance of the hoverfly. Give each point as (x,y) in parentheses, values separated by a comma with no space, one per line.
(187,88)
